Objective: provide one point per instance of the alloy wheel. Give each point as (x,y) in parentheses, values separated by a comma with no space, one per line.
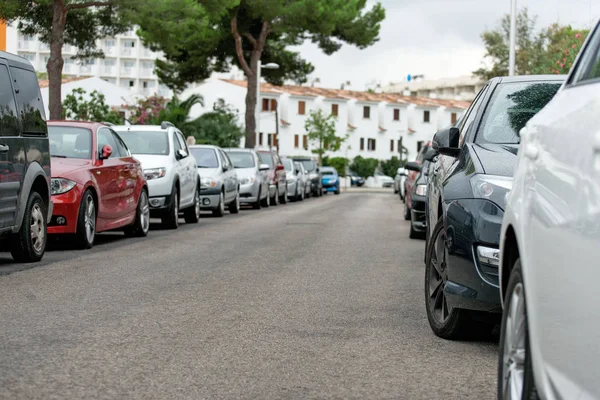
(222,203)
(514,351)
(197,204)
(90,219)
(38,235)
(145,212)
(438,277)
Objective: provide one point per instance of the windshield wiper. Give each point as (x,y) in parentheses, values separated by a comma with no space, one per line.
(58,156)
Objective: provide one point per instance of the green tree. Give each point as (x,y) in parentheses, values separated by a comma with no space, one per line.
(562,44)
(75,22)
(81,107)
(321,130)
(219,127)
(390,167)
(339,163)
(364,167)
(177,112)
(213,35)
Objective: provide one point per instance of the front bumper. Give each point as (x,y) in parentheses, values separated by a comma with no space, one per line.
(249,192)
(471,284)
(210,198)
(417,212)
(65,211)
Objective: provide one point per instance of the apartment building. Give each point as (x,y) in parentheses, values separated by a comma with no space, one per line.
(458,88)
(127,63)
(374,125)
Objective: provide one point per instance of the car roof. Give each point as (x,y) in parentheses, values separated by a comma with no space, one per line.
(81,124)
(144,128)
(328,169)
(203,146)
(16,60)
(238,149)
(529,78)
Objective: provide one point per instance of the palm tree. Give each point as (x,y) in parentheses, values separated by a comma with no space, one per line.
(177,112)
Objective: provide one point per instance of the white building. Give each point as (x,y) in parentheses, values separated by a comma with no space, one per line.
(374,124)
(459,88)
(127,63)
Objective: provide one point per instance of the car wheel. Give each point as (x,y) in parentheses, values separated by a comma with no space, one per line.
(275,199)
(220,210)
(320,191)
(141,225)
(406,212)
(29,244)
(258,202)
(515,369)
(192,214)
(337,190)
(86,221)
(234,207)
(171,219)
(284,197)
(395,190)
(300,196)
(266,202)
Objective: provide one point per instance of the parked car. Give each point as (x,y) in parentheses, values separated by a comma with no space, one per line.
(169,168)
(313,171)
(382,180)
(277,177)
(411,177)
(304,177)
(24,161)
(355,179)
(330,180)
(96,184)
(466,199)
(399,179)
(252,176)
(295,184)
(418,196)
(220,187)
(549,244)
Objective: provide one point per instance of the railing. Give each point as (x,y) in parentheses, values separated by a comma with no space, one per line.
(23,44)
(127,51)
(85,69)
(108,70)
(127,71)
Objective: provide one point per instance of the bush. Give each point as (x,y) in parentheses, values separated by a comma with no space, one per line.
(364,167)
(390,167)
(339,163)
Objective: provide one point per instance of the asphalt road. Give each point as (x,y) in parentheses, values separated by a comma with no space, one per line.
(320,299)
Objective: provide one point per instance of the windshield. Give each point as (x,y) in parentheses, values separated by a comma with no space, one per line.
(288,164)
(327,172)
(512,105)
(70,142)
(309,165)
(205,157)
(241,159)
(265,158)
(146,142)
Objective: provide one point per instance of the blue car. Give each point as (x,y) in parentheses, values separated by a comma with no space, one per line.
(330,180)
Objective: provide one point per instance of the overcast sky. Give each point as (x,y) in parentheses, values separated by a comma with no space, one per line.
(437,38)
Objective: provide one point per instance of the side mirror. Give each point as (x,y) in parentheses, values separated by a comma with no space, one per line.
(318,170)
(263,167)
(180,154)
(225,168)
(430,154)
(446,142)
(106,152)
(279,167)
(400,171)
(413,166)
(297,171)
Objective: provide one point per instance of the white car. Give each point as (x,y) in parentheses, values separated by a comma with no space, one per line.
(399,180)
(169,168)
(549,274)
(382,180)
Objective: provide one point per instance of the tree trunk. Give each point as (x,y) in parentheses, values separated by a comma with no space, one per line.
(251,100)
(56,62)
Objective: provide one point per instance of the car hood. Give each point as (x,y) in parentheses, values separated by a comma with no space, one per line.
(497,159)
(152,161)
(384,178)
(243,172)
(61,167)
(209,172)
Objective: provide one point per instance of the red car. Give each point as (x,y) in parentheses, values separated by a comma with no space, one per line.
(96,184)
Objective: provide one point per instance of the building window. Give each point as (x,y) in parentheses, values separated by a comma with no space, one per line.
(371,145)
(109,43)
(334,109)
(362,143)
(145,85)
(305,142)
(426,116)
(392,145)
(272,139)
(453,118)
(366,112)
(265,104)
(296,141)
(131,83)
(419,145)
(301,107)
(396,114)
(260,139)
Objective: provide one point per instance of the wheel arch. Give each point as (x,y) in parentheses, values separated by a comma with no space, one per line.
(35,179)
(509,256)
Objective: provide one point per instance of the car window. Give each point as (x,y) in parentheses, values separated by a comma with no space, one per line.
(182,142)
(176,143)
(467,121)
(309,165)
(205,157)
(241,159)
(70,142)
(288,165)
(33,115)
(121,146)
(589,67)
(105,137)
(265,158)
(9,125)
(146,142)
(511,106)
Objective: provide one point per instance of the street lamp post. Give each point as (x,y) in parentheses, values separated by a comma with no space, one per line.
(512,37)
(258,102)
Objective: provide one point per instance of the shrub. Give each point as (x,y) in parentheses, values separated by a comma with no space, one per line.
(364,167)
(339,163)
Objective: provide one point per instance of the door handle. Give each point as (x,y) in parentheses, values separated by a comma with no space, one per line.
(4,148)
(532,152)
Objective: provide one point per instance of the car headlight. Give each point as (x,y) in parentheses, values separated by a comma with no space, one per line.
(61,185)
(247,180)
(154,173)
(208,182)
(492,187)
(291,180)
(421,190)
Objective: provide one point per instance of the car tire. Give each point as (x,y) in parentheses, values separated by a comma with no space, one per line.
(141,225)
(220,210)
(514,315)
(234,207)
(337,190)
(395,190)
(445,322)
(256,205)
(275,198)
(192,214)
(171,219)
(320,194)
(406,212)
(23,247)
(86,221)
(301,195)
(266,202)
(283,199)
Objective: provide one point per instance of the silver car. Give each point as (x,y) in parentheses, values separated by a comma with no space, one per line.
(254,183)
(304,177)
(219,186)
(295,182)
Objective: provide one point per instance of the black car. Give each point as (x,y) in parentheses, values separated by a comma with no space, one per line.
(355,179)
(467,190)
(314,173)
(24,161)
(418,195)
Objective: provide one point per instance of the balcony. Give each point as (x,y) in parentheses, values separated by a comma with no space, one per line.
(147,53)
(108,70)
(67,49)
(127,71)
(128,51)
(44,46)
(108,50)
(147,72)
(24,45)
(67,68)
(85,69)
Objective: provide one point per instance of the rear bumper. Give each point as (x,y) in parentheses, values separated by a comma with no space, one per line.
(65,212)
